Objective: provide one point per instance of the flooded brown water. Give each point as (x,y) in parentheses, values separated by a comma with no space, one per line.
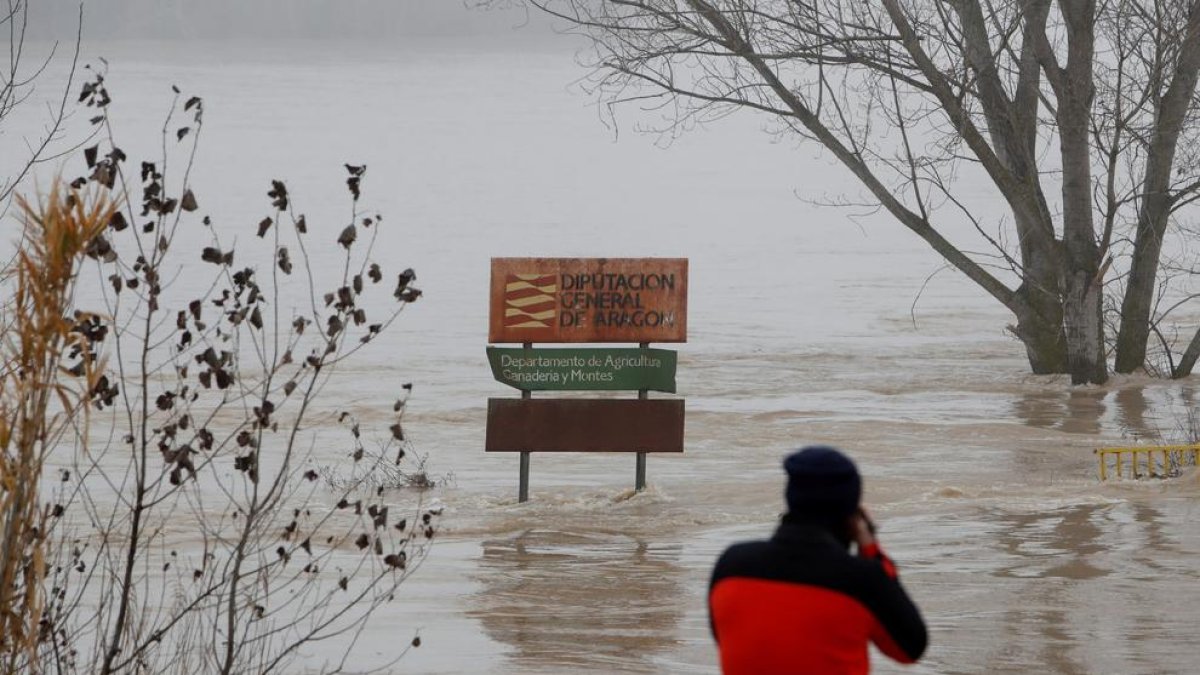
(1019,558)
(807,326)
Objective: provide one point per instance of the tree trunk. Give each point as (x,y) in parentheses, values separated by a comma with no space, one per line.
(1139,294)
(1188,361)
(1156,202)
(1082,290)
(1039,308)
(1083,322)
(1040,329)
(1084,328)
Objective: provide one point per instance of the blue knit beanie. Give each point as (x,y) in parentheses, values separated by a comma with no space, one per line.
(822,483)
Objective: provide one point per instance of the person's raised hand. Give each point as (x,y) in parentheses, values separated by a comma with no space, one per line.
(863,529)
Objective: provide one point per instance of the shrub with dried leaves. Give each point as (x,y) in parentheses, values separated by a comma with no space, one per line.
(183,531)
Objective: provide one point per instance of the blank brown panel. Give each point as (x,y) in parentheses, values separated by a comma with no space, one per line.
(584,425)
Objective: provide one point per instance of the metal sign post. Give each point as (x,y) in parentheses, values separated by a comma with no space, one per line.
(639,479)
(523,487)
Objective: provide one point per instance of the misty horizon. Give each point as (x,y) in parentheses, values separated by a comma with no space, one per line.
(281,20)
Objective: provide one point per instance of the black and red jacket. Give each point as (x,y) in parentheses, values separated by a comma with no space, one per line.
(800,603)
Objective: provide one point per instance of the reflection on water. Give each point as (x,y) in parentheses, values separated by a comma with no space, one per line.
(1132,406)
(1143,413)
(598,601)
(1054,550)
(1128,410)
(1056,543)
(1074,411)
(1102,587)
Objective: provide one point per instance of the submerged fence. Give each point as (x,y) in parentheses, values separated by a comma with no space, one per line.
(1159,461)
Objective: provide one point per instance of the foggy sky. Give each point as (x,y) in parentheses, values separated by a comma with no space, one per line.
(279,19)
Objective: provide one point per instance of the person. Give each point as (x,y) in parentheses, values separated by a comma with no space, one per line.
(800,602)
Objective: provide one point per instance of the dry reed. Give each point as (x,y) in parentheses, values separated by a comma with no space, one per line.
(40,394)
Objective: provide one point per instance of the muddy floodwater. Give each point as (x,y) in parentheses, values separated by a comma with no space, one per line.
(806,324)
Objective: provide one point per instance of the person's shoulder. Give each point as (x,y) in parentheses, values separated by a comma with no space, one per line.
(741,553)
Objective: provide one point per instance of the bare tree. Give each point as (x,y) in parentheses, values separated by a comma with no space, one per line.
(19,76)
(1080,115)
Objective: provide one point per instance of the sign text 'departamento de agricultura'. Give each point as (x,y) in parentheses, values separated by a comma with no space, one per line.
(591,369)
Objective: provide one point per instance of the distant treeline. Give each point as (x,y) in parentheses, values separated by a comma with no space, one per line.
(266,19)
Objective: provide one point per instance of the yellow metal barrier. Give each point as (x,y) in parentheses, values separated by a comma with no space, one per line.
(1160,461)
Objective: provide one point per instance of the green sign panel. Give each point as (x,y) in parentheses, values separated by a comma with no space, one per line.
(598,369)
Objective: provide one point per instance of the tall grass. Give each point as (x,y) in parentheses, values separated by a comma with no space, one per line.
(46,369)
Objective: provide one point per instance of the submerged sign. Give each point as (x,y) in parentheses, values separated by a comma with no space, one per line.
(588,300)
(584,369)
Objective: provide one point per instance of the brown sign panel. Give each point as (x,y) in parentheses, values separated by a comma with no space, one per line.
(584,425)
(588,300)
